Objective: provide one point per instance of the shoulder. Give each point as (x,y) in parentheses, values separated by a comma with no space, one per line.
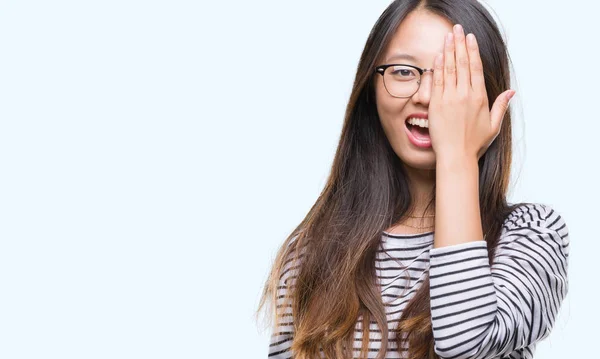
(534,215)
(536,221)
(293,252)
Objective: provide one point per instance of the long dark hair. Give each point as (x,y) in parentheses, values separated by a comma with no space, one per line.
(367,191)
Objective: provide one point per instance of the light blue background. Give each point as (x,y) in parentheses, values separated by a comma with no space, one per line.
(152,161)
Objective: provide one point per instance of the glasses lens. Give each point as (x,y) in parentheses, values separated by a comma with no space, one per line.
(401,81)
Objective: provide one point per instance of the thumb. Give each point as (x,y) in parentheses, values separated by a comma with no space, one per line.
(499,109)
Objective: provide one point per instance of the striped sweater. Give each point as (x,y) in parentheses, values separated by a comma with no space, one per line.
(477,310)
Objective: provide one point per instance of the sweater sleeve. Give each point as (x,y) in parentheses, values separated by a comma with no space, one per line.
(482,311)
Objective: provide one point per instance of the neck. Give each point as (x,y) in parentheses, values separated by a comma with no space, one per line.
(421,182)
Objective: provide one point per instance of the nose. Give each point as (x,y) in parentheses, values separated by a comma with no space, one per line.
(423,94)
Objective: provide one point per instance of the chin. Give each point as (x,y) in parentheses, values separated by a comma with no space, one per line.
(418,159)
(420,165)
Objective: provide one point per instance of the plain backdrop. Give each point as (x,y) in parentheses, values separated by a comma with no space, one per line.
(153,157)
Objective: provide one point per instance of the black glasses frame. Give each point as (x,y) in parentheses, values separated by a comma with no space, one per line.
(381,70)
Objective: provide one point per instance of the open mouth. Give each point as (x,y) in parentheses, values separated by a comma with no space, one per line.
(417,131)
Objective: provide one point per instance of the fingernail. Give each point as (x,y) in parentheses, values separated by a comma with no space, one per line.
(471,39)
(457,28)
(510,94)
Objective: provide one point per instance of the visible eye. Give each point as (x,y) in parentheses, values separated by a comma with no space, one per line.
(404,73)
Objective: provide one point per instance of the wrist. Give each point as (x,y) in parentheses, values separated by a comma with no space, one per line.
(456,161)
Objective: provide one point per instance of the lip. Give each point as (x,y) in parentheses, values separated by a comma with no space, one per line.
(416,142)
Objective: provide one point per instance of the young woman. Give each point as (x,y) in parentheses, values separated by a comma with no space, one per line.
(426,144)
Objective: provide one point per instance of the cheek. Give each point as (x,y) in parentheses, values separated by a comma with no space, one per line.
(390,110)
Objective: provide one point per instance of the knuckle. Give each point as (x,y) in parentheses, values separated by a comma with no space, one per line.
(450,70)
(479,99)
(438,81)
(463,61)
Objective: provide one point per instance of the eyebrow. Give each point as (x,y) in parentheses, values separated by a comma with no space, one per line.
(401,56)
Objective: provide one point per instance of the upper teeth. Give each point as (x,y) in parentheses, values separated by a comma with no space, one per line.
(419,122)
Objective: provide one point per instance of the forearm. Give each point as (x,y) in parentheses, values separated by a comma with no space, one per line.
(480,311)
(457,212)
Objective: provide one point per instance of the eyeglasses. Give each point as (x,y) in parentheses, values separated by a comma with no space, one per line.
(401,80)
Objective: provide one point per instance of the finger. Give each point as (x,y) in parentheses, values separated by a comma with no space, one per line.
(463,77)
(449,65)
(476,67)
(499,109)
(438,75)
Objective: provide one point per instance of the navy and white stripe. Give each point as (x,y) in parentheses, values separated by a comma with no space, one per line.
(478,311)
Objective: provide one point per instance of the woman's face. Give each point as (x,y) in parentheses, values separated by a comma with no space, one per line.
(420,35)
